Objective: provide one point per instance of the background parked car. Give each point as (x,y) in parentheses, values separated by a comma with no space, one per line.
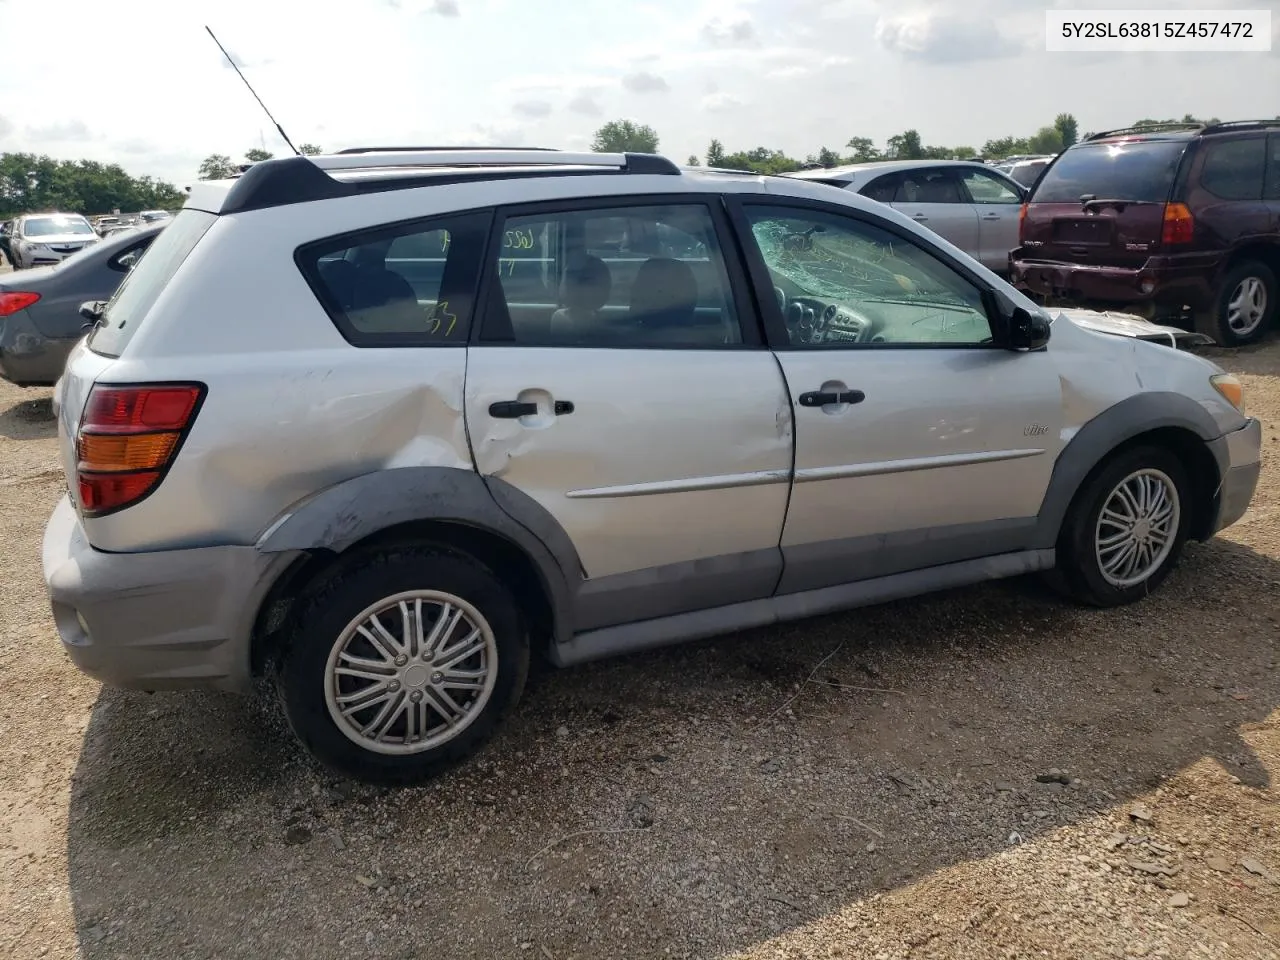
(1026,172)
(6,234)
(41,239)
(40,317)
(1179,223)
(969,203)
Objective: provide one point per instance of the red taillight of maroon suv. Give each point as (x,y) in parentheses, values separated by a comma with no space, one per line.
(128,438)
(1179,225)
(1022,225)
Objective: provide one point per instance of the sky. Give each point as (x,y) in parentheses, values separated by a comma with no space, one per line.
(140,83)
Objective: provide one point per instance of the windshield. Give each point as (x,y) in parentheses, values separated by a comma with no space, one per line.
(55,226)
(142,285)
(1138,170)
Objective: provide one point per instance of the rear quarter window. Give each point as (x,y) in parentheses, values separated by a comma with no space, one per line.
(128,307)
(1234,169)
(408,284)
(1142,170)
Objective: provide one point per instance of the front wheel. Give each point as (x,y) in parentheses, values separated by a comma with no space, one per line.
(403,664)
(1125,529)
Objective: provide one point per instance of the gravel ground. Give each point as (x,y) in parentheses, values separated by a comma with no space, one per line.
(980,774)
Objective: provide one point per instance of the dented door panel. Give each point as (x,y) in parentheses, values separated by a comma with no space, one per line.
(667,456)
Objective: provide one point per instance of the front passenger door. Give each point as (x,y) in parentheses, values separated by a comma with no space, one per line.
(997,205)
(919,440)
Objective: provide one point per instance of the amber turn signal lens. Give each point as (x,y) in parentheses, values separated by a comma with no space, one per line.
(116,452)
(1230,388)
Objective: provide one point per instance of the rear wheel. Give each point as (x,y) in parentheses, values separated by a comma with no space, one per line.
(403,664)
(1125,529)
(1247,304)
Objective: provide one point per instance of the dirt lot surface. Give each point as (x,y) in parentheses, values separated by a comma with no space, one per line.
(879,785)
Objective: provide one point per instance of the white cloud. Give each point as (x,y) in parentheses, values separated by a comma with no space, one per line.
(723,31)
(531,108)
(942,39)
(586,105)
(66,131)
(642,81)
(719,102)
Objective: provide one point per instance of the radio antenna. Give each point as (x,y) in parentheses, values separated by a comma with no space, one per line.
(284,136)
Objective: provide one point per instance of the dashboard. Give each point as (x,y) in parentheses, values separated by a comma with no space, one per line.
(810,320)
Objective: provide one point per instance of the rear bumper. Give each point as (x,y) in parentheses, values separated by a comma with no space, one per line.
(27,357)
(154,621)
(1239,456)
(1161,286)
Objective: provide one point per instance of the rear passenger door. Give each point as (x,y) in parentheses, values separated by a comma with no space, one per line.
(996,203)
(933,198)
(620,379)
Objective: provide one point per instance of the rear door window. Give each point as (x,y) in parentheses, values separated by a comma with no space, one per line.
(1234,169)
(928,186)
(137,293)
(1141,170)
(882,189)
(615,275)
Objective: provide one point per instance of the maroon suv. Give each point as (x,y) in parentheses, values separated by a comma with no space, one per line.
(1177,222)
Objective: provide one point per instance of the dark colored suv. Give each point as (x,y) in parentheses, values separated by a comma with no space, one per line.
(1177,222)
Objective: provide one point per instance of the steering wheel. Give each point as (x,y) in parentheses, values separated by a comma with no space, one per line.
(782,299)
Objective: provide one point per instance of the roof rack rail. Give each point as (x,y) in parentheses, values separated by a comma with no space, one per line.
(432,149)
(1147,128)
(301,179)
(501,157)
(1242,125)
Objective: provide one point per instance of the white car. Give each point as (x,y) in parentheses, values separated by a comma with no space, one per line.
(43,239)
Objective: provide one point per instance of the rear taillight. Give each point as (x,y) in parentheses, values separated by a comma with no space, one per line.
(1022,224)
(11,301)
(1179,224)
(127,439)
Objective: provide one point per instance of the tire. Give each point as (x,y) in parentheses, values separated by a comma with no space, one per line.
(1080,572)
(1247,303)
(314,696)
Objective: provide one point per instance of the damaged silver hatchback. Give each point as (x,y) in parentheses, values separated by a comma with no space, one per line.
(382,424)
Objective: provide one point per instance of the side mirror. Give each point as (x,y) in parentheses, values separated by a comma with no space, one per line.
(1027,330)
(91,310)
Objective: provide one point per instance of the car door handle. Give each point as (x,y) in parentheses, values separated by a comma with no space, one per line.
(821,398)
(991,216)
(515,409)
(918,216)
(512,410)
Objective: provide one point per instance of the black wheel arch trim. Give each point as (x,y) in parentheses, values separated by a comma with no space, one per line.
(344,514)
(1097,439)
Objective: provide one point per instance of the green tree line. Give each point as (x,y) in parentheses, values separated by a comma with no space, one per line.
(626,135)
(32,182)
(219,166)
